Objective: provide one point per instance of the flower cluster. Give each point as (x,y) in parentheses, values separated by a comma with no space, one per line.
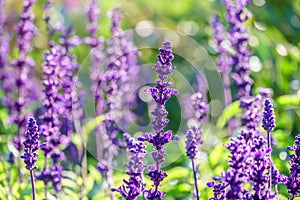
(26,88)
(250,159)
(268,121)
(293,181)
(160,93)
(193,135)
(4,51)
(134,186)
(237,14)
(31,145)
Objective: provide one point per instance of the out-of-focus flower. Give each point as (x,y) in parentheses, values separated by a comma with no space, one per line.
(134,186)
(293,181)
(237,14)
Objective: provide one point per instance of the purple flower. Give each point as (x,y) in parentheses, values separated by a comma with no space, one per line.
(224,59)
(236,16)
(160,93)
(193,135)
(191,144)
(23,89)
(250,159)
(112,73)
(31,145)
(268,121)
(293,181)
(93,18)
(135,185)
(5,76)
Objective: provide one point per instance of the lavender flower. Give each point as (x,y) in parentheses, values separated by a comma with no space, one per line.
(134,186)
(219,190)
(293,181)
(236,16)
(160,93)
(97,52)
(4,51)
(250,157)
(268,121)
(109,88)
(194,132)
(23,88)
(31,145)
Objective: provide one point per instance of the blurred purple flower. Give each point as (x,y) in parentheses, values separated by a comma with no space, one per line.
(194,133)
(293,181)
(237,14)
(135,185)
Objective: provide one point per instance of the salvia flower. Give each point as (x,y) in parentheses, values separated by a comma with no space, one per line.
(193,135)
(134,186)
(224,59)
(5,76)
(237,14)
(110,87)
(22,81)
(293,181)
(268,121)
(31,145)
(161,92)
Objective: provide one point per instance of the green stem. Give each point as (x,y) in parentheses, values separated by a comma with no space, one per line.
(32,184)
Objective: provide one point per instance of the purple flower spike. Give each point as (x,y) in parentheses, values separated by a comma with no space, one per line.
(160,93)
(135,185)
(237,14)
(193,135)
(268,121)
(31,145)
(194,132)
(293,181)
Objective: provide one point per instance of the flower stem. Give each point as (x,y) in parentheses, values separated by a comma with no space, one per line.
(32,184)
(270,168)
(195,179)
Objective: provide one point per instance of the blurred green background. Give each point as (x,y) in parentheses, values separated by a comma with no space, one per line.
(275,43)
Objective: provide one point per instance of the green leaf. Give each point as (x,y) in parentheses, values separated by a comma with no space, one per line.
(90,126)
(230,111)
(288,100)
(95,190)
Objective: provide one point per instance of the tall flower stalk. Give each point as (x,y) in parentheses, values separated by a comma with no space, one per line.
(112,86)
(268,123)
(293,180)
(31,145)
(22,84)
(161,93)
(193,135)
(135,185)
(224,59)
(237,14)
